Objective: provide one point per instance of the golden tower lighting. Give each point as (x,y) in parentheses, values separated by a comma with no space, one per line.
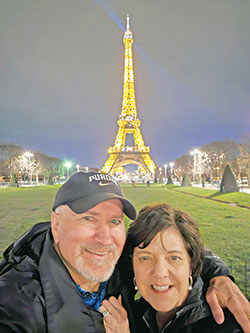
(120,154)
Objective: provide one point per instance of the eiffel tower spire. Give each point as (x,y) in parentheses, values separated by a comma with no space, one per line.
(128,102)
(120,154)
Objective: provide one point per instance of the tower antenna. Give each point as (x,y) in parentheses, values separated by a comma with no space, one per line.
(127,22)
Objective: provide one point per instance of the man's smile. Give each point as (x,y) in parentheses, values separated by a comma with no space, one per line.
(98,253)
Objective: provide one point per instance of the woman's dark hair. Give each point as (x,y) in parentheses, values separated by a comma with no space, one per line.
(157,218)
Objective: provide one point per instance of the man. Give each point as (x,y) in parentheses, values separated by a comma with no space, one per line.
(54,278)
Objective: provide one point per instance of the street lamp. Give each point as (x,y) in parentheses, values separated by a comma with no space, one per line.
(68,166)
(165,166)
(77,168)
(160,175)
(171,164)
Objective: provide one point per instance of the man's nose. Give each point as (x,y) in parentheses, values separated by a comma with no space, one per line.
(103,234)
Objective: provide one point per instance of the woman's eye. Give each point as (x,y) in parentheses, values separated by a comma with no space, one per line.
(175,258)
(144,258)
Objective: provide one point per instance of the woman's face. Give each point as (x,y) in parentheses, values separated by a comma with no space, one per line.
(162,273)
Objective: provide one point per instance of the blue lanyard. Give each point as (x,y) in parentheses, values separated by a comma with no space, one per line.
(93,299)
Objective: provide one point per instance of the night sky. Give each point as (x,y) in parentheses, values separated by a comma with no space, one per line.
(61,74)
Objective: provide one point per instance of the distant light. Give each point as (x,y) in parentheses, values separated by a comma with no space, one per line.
(68,164)
(125,177)
(195,151)
(28,154)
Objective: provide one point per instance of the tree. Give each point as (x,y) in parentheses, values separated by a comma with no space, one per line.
(8,155)
(183,165)
(216,155)
(14,160)
(213,159)
(228,183)
(50,166)
(243,161)
(26,165)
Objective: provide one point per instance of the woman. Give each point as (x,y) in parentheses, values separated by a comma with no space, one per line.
(167,254)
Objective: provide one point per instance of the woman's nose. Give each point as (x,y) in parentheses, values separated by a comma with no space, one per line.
(161,269)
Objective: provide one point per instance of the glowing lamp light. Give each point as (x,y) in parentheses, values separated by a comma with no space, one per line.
(171,167)
(28,154)
(194,152)
(68,166)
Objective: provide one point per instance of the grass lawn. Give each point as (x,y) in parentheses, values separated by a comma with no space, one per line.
(238,198)
(20,208)
(224,228)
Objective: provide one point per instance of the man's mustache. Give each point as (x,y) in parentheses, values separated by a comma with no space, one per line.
(97,246)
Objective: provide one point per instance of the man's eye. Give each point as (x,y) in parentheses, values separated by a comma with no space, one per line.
(88,218)
(116,221)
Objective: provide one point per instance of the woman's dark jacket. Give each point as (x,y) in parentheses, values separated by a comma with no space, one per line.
(193,317)
(37,294)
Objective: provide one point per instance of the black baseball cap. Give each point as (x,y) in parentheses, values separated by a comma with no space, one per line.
(85,190)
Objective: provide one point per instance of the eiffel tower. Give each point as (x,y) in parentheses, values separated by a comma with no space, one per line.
(121,154)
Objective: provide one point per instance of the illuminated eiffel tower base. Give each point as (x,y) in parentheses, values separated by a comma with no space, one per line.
(121,155)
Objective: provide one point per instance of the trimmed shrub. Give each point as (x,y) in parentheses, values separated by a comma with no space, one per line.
(13,181)
(169,181)
(186,181)
(228,183)
(50,180)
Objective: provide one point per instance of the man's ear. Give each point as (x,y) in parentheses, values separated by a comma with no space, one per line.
(55,226)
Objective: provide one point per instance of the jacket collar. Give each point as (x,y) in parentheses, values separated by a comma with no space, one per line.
(64,305)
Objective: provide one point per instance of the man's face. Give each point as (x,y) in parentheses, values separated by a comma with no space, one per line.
(90,243)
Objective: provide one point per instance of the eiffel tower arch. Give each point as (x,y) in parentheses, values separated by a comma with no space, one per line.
(121,154)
